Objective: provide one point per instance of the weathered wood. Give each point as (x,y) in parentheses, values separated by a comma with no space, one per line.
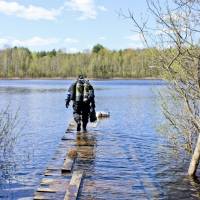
(74,185)
(52,168)
(46,181)
(102,114)
(60,181)
(40,197)
(54,172)
(68,137)
(68,164)
(46,190)
(50,173)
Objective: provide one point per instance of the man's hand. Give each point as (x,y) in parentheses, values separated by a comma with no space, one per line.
(66,103)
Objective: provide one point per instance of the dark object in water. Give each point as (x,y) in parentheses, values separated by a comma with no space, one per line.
(93,116)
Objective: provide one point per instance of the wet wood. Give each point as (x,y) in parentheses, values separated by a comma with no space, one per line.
(67,166)
(68,137)
(52,172)
(74,185)
(47,181)
(46,190)
(102,114)
(58,182)
(53,181)
(151,189)
(51,168)
(40,197)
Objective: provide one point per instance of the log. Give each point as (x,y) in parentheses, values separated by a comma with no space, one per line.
(74,185)
(102,114)
(195,159)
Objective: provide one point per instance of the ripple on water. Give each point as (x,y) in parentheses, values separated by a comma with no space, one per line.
(129,159)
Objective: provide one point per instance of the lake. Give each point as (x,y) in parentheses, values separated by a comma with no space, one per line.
(132,160)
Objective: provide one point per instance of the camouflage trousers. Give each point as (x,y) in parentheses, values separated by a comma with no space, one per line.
(81,112)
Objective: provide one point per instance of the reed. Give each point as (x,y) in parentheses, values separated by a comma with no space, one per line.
(8,130)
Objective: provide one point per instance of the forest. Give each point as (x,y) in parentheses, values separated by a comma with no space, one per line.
(100,62)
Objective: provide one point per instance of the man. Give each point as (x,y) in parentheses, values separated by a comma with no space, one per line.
(82,94)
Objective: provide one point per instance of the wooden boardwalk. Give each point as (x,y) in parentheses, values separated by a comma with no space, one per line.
(66,171)
(61,180)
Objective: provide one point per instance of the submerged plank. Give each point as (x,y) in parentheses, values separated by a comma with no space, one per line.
(40,197)
(74,185)
(69,137)
(52,172)
(46,181)
(48,190)
(68,164)
(53,168)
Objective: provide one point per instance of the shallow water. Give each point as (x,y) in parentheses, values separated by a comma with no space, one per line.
(130,159)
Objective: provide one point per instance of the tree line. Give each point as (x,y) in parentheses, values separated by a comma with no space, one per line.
(99,63)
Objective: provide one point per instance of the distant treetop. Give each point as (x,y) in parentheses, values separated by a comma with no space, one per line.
(97,48)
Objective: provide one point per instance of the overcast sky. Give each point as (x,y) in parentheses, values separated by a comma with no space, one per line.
(73,25)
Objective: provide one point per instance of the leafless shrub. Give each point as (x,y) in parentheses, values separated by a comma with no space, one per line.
(9,132)
(175,31)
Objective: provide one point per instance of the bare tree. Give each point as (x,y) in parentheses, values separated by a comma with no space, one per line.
(174,30)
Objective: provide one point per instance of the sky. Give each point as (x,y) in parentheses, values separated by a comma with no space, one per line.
(70,25)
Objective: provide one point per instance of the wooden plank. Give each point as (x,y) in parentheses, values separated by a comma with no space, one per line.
(49,172)
(46,181)
(69,137)
(74,185)
(46,190)
(68,164)
(53,168)
(52,174)
(40,197)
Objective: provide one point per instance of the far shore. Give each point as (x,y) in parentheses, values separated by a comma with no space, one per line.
(72,78)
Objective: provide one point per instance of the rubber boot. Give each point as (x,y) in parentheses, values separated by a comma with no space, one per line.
(78,127)
(84,127)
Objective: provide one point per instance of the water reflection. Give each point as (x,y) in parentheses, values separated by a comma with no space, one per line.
(86,147)
(22,90)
